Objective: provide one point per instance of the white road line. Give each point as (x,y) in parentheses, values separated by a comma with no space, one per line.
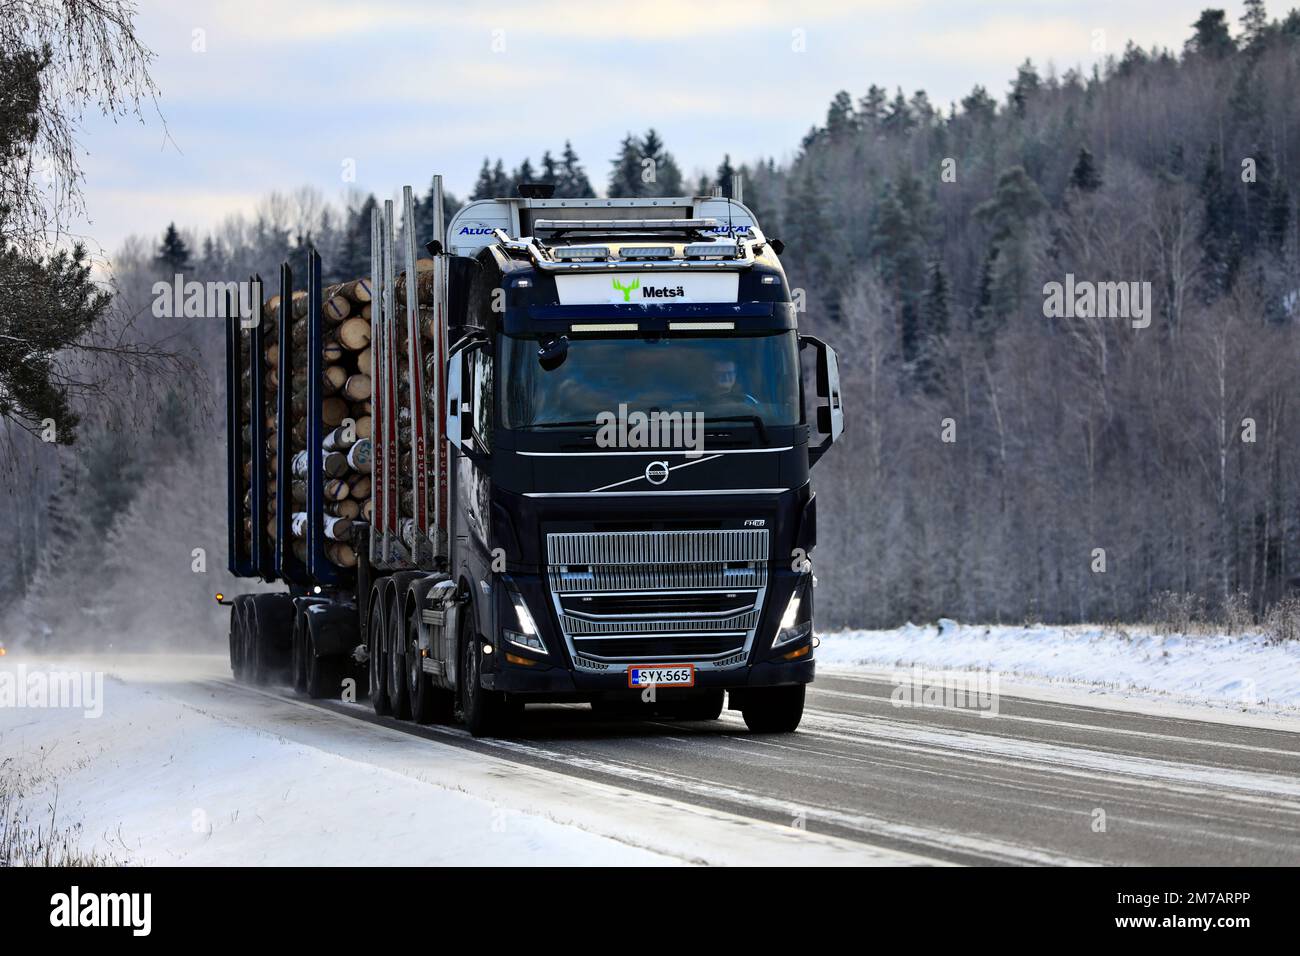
(1074,725)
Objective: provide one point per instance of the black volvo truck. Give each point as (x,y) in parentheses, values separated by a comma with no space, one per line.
(600,494)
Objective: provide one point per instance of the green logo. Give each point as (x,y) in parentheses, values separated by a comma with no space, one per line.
(627,290)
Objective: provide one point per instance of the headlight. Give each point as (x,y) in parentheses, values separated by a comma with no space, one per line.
(789,630)
(527,635)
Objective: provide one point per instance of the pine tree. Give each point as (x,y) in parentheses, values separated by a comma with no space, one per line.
(625,176)
(726,175)
(1023,88)
(1211,37)
(979,106)
(935,316)
(871,107)
(502,186)
(1085,177)
(1218,239)
(173,254)
(668,176)
(840,120)
(484,185)
(1254,24)
(573,182)
(1009,214)
(550,168)
(354,251)
(55,600)
(524,173)
(898,117)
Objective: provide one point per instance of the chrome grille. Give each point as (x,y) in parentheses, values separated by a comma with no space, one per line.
(645,590)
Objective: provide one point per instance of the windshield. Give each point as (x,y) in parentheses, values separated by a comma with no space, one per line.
(737,377)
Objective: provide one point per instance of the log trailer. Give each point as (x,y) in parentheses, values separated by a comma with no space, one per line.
(600,492)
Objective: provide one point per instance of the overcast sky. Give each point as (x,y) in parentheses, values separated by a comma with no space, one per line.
(274,94)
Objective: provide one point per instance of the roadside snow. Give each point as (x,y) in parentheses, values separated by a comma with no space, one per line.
(1243,672)
(183,768)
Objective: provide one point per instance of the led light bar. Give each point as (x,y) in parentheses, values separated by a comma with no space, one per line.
(722,249)
(701,326)
(604,327)
(581,252)
(646,252)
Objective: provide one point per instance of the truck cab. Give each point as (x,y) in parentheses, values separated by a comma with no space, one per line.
(630,517)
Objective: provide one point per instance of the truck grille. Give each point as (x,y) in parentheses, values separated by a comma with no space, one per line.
(648,596)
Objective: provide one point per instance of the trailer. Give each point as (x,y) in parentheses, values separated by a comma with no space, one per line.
(589,438)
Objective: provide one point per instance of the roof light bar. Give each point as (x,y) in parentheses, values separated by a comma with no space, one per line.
(581,252)
(646,252)
(720,249)
(623,225)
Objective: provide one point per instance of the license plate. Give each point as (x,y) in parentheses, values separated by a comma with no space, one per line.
(676,675)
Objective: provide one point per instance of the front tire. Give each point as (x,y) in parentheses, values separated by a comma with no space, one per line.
(773,710)
(485,712)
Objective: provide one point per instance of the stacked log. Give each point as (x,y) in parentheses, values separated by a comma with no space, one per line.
(345,419)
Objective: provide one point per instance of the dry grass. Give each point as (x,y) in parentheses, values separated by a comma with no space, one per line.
(36,838)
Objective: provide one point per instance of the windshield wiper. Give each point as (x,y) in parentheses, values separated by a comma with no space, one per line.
(755,420)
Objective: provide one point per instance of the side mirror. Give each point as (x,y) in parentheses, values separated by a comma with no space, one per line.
(830,414)
(453,413)
(460,399)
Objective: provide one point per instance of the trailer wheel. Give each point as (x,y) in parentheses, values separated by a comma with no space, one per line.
(429,704)
(323,676)
(298,652)
(486,712)
(773,710)
(399,694)
(378,661)
(237,638)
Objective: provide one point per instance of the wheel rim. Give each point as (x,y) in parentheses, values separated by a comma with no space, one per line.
(414,663)
(396,673)
(378,675)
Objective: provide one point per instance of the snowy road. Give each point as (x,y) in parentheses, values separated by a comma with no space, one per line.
(863,781)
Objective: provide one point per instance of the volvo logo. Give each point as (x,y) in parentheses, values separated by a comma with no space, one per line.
(656,472)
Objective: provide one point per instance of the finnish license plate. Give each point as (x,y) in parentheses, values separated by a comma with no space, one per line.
(676,675)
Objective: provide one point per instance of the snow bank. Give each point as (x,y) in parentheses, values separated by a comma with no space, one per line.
(1242,671)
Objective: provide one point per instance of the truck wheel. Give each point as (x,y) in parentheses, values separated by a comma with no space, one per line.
(399,695)
(706,705)
(234,637)
(378,662)
(298,653)
(485,712)
(239,621)
(323,675)
(773,710)
(429,704)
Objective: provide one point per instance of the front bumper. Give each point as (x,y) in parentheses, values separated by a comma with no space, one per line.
(541,683)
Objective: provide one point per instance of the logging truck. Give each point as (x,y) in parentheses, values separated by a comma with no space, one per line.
(560,453)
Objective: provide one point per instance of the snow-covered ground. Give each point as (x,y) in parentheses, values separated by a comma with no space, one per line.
(179,767)
(1242,673)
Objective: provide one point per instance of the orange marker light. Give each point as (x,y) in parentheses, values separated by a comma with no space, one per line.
(798,653)
(516,659)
